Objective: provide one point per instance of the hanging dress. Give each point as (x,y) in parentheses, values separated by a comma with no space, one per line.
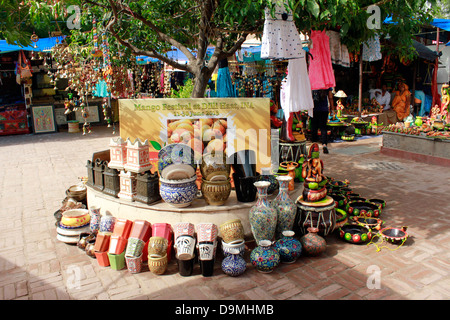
(321,74)
(299,95)
(224,86)
(280,39)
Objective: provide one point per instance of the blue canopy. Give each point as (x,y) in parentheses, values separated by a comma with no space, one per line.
(43,44)
(443,24)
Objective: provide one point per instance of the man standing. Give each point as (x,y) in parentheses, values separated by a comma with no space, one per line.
(323,103)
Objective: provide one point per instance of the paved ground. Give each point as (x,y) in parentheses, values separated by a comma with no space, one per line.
(36,170)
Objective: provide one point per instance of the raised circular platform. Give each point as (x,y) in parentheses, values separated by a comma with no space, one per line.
(199,211)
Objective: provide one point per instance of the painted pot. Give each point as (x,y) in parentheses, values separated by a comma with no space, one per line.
(234,265)
(284,206)
(341,218)
(216,192)
(183,229)
(340,200)
(206,250)
(158,246)
(179,193)
(82,240)
(312,243)
(288,247)
(355,233)
(185,247)
(354,199)
(262,216)
(265,257)
(157,264)
(107,223)
(214,164)
(362,208)
(394,235)
(135,247)
(206,232)
(75,218)
(134,264)
(94,223)
(231,230)
(236,246)
(369,222)
(381,203)
(175,153)
(314,195)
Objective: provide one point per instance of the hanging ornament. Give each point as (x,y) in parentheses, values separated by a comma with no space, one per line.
(34,37)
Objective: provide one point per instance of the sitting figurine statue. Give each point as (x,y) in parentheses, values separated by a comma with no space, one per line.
(445,101)
(312,173)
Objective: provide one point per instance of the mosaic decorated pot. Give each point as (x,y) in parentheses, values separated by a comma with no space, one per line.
(266,175)
(363,208)
(312,243)
(107,223)
(288,247)
(355,233)
(285,207)
(216,192)
(232,230)
(179,193)
(234,265)
(265,257)
(94,212)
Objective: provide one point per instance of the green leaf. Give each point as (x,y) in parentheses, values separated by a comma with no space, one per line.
(313,8)
(156,145)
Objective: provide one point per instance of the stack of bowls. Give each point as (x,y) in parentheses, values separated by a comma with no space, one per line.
(77,192)
(216,182)
(232,233)
(177,169)
(73,223)
(157,255)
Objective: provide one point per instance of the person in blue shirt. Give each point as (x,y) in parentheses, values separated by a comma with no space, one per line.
(323,103)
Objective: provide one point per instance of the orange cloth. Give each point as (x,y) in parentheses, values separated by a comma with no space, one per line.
(399,103)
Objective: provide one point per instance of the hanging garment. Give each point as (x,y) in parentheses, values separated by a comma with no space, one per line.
(280,39)
(339,52)
(300,96)
(321,74)
(372,49)
(224,87)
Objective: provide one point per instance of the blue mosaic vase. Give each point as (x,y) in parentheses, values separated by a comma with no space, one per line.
(288,247)
(265,257)
(262,216)
(285,207)
(266,175)
(234,265)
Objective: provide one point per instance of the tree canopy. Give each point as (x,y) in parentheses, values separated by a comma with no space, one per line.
(152,27)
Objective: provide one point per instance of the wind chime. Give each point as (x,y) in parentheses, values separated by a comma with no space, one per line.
(107,74)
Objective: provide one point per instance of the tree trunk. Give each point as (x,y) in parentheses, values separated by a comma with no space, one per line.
(201,79)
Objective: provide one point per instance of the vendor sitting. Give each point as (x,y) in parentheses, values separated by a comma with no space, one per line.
(381,97)
(402,101)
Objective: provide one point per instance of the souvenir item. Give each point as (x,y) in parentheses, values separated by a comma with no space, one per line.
(312,243)
(288,247)
(285,207)
(262,216)
(234,265)
(264,257)
(355,233)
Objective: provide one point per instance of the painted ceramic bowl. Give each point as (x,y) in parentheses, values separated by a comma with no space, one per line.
(214,164)
(179,193)
(176,153)
(339,200)
(355,233)
(362,208)
(341,218)
(75,218)
(231,230)
(233,247)
(178,172)
(353,199)
(381,203)
(371,223)
(394,235)
(217,192)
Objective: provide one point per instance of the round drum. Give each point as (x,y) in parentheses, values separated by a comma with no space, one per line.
(320,214)
(292,151)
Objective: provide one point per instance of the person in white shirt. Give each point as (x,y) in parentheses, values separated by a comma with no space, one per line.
(383,97)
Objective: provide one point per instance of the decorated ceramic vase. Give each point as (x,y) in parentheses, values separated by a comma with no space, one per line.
(285,207)
(262,216)
(234,265)
(266,175)
(312,243)
(288,247)
(107,223)
(94,224)
(265,257)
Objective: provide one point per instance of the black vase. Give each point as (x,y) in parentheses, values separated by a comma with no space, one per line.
(185,267)
(243,163)
(245,190)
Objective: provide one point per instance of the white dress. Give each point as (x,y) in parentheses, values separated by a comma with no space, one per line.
(280,39)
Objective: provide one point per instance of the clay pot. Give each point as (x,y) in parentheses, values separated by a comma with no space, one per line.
(107,223)
(236,246)
(90,247)
(141,229)
(355,233)
(312,243)
(157,264)
(206,232)
(135,247)
(179,193)
(288,247)
(265,257)
(134,264)
(82,240)
(185,247)
(102,241)
(234,265)
(183,229)
(232,230)
(262,216)
(102,258)
(158,246)
(214,164)
(216,192)
(117,244)
(122,227)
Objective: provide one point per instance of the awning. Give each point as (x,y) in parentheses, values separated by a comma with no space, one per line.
(43,44)
(424,52)
(441,24)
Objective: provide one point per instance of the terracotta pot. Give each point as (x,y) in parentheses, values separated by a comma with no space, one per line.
(102,258)
(141,229)
(312,243)
(117,244)
(122,228)
(102,241)
(157,264)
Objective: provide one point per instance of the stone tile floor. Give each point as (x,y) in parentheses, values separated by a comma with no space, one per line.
(36,170)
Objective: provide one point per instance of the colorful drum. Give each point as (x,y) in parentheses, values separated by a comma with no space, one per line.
(292,151)
(321,215)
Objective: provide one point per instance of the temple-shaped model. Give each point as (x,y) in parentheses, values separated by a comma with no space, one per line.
(138,156)
(127,185)
(118,153)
